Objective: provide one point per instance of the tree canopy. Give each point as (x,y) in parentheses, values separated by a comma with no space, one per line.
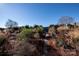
(11,24)
(66,20)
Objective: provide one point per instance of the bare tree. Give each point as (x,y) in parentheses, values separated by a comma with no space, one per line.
(66,20)
(11,24)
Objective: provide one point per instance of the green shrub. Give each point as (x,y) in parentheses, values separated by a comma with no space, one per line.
(38,28)
(2,42)
(2,38)
(25,33)
(60,42)
(76,40)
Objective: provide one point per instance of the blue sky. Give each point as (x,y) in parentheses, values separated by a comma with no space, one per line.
(41,14)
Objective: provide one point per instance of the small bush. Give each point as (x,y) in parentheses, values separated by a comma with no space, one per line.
(76,40)
(25,33)
(2,38)
(2,43)
(60,43)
